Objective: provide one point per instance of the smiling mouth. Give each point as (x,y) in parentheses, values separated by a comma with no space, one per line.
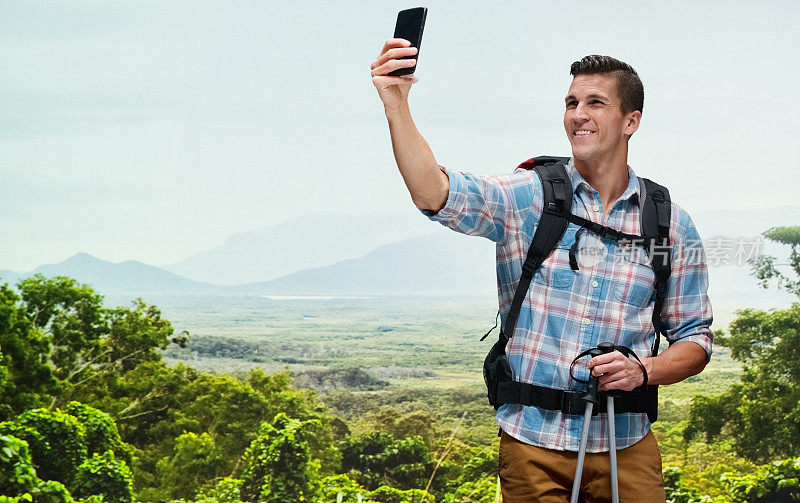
(583,132)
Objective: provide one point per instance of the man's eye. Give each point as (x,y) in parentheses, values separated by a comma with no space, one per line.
(597,102)
(572,104)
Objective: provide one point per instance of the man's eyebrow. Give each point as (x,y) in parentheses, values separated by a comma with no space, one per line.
(591,96)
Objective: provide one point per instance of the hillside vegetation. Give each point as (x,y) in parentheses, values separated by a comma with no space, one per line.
(311,403)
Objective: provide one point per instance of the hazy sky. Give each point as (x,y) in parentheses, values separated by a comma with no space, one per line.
(151,130)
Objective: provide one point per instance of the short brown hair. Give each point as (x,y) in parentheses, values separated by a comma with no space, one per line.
(629,86)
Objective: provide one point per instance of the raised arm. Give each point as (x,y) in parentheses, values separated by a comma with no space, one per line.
(426,183)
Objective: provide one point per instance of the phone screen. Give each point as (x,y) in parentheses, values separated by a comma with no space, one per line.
(410,23)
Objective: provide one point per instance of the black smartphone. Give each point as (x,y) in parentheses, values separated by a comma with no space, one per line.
(410,23)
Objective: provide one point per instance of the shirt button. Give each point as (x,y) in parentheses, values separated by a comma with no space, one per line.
(596,207)
(595,283)
(586,321)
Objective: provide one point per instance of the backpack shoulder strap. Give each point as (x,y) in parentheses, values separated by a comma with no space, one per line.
(557,191)
(656,214)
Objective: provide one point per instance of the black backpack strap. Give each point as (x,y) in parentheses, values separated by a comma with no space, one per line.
(602,230)
(557,191)
(656,214)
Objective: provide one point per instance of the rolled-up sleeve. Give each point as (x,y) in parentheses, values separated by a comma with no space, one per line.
(488,206)
(687,315)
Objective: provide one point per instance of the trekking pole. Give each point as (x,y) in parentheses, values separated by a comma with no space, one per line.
(612,448)
(591,400)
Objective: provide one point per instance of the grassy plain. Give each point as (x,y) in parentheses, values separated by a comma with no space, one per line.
(363,354)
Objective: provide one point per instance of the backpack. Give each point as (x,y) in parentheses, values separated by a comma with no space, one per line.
(502,388)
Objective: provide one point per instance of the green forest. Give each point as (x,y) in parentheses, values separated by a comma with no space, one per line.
(96,406)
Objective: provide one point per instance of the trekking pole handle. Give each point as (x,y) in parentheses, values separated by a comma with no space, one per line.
(606,347)
(594,381)
(603,348)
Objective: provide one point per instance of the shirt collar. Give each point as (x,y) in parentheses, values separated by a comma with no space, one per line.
(578,181)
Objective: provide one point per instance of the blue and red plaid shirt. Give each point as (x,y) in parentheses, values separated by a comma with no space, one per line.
(610,297)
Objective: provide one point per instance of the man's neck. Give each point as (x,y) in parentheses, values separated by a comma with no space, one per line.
(608,177)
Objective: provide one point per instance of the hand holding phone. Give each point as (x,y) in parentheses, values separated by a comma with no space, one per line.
(399,54)
(410,25)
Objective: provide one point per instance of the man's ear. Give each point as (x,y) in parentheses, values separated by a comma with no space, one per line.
(632,121)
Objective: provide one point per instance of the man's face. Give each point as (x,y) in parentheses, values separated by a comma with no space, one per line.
(593,119)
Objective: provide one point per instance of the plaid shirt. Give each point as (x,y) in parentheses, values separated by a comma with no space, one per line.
(610,298)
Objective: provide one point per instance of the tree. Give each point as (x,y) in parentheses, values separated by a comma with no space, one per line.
(378,459)
(226,490)
(282,396)
(87,338)
(332,485)
(229,409)
(26,378)
(104,475)
(676,490)
(194,463)
(154,404)
(59,347)
(400,422)
(101,432)
(17,474)
(761,413)
(473,491)
(70,314)
(146,404)
(386,494)
(57,341)
(765,266)
(57,442)
(773,483)
(278,464)
(58,452)
(136,335)
(18,480)
(482,464)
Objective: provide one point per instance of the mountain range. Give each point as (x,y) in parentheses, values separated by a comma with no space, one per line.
(129,277)
(438,262)
(311,240)
(318,239)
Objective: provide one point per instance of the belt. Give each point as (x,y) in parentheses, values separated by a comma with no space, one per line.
(570,402)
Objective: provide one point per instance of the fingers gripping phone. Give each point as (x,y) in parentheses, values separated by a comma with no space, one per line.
(410,23)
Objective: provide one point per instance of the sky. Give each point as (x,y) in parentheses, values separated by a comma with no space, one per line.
(152,130)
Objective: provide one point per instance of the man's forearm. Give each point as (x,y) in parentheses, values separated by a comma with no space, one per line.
(427,183)
(676,363)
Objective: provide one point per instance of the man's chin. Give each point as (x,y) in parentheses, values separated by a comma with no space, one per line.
(582,154)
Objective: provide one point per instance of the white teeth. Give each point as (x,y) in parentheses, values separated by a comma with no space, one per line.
(582,132)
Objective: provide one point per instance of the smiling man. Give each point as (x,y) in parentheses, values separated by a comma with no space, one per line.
(568,308)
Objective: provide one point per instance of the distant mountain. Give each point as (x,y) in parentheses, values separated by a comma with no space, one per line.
(448,263)
(9,277)
(312,240)
(129,277)
(440,263)
(316,255)
(320,239)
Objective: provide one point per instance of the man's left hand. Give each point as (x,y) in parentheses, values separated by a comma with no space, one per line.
(616,371)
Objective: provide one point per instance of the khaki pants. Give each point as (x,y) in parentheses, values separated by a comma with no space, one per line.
(533,474)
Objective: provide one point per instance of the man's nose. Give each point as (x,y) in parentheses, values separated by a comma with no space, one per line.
(580,112)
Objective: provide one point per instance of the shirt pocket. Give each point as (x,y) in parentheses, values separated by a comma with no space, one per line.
(634,278)
(555,271)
